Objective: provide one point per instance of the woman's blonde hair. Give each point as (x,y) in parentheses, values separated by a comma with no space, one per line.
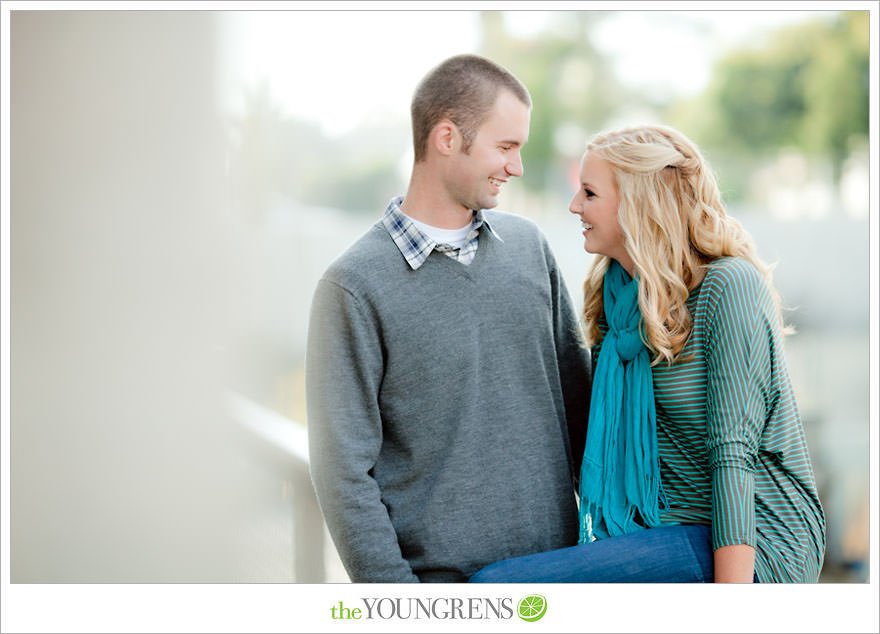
(674,225)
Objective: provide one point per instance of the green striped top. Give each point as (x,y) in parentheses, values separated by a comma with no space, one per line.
(731,443)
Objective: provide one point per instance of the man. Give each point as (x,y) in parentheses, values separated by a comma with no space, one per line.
(444,365)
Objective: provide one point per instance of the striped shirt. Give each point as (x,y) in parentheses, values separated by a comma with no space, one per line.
(730,440)
(416,246)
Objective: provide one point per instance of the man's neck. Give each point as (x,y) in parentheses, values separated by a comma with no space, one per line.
(428,202)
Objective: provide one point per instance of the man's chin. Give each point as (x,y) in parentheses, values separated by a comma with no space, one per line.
(489,203)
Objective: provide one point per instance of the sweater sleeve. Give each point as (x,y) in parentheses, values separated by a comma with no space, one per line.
(738,345)
(344,368)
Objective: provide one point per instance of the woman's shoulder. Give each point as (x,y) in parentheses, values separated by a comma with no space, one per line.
(733,274)
(732,269)
(734,279)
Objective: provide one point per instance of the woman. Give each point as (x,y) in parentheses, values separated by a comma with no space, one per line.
(696,467)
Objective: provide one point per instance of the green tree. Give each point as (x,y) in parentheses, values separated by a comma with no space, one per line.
(806,87)
(836,89)
(572,86)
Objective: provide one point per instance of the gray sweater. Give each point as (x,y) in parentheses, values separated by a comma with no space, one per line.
(446,405)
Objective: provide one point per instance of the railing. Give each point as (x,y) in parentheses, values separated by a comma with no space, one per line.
(285,442)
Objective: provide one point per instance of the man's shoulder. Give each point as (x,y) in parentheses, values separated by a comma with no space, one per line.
(373,250)
(515,229)
(513,222)
(520,233)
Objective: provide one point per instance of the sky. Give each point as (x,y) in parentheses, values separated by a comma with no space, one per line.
(339,67)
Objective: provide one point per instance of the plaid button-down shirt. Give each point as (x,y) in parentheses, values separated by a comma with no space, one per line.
(416,246)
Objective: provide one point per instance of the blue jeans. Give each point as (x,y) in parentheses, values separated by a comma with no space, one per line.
(668,554)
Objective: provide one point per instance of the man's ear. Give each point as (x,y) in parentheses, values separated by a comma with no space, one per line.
(445,137)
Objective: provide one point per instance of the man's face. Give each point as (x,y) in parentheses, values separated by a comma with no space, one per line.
(475,178)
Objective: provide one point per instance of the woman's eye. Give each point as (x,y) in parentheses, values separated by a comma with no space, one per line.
(589,193)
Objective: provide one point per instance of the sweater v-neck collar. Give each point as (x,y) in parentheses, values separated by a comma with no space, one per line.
(486,243)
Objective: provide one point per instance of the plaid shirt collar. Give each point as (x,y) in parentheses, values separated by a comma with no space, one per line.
(416,246)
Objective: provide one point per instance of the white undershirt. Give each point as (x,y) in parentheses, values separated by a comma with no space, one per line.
(453,237)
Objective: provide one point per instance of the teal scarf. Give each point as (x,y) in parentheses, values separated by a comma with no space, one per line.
(620,473)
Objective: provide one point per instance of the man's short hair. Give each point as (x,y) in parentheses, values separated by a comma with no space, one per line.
(462,89)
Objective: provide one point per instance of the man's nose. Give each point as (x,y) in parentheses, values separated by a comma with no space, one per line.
(515,166)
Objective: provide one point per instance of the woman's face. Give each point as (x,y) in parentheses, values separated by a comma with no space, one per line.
(596,204)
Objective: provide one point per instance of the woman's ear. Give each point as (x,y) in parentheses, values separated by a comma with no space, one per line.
(445,137)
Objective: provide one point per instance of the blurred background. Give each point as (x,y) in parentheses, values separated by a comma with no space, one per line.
(180,180)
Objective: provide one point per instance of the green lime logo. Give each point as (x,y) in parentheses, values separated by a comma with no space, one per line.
(532,608)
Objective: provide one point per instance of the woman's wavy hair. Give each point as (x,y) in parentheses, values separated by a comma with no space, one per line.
(674,225)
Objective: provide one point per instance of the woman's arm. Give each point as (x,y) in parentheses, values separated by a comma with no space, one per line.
(735,564)
(738,352)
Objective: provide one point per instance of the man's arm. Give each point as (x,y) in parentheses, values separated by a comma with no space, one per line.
(574,366)
(344,368)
